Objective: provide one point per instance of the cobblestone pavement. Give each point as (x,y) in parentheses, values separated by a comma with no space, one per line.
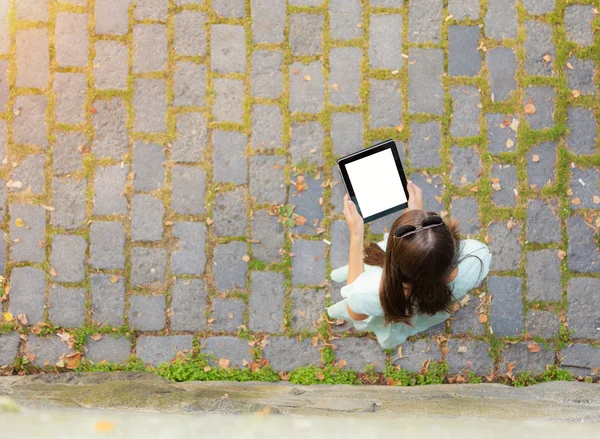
(168,175)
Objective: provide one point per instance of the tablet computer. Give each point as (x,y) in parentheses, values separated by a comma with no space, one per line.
(375,180)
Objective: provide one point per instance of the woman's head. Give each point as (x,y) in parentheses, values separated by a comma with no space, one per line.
(420,263)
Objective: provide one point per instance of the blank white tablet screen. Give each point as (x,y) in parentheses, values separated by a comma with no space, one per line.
(376,183)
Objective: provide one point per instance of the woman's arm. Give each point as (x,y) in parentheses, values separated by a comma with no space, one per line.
(356,264)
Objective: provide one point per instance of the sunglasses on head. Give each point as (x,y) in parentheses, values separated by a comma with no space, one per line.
(428,222)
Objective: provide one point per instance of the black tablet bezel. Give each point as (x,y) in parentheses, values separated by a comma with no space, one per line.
(379,147)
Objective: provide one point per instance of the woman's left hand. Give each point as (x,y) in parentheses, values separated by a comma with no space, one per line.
(356,224)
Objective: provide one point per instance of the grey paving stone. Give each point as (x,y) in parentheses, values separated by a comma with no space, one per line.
(307,96)
(269,232)
(192,132)
(462,9)
(543,276)
(543,100)
(228,314)
(307,142)
(148,265)
(385,42)
(337,191)
(584,184)
(27,293)
(306,34)
(112,16)
(508,184)
(114,350)
(425,21)
(543,225)
(432,187)
(286,354)
(29,125)
(47,350)
(499,134)
(25,240)
(467,165)
(230,268)
(148,167)
(306,2)
(541,172)
(463,57)
(68,258)
(537,46)
(30,172)
(268,20)
(424,145)
(190,258)
(307,307)
(578,24)
(109,187)
(150,48)
(107,245)
(465,320)
(9,347)
(266,77)
(3,250)
(32,58)
(71,41)
(308,204)
(228,48)
(266,126)
(229,8)
(147,313)
(506,310)
(151,10)
(525,361)
(538,7)
(4,86)
(582,253)
(340,244)
(345,16)
(110,121)
(504,246)
(414,355)
(308,264)
(542,324)
(360,353)
(582,76)
(425,91)
(581,359)
(190,80)
(385,103)
(66,306)
(344,70)
(155,350)
(347,133)
(228,104)
(147,215)
(190,36)
(502,64)
(150,104)
(187,305)
(387,3)
(266,302)
(234,349)
(33,10)
(583,130)
(475,358)
(465,118)
(4,34)
(229,213)
(3,206)
(582,314)
(70,90)
(466,211)
(66,154)
(266,179)
(188,185)
(108,299)
(501,20)
(68,200)
(229,157)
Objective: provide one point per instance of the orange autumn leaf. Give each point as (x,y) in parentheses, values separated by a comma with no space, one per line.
(73,360)
(562,254)
(576,201)
(224,363)
(483,318)
(530,109)
(533,347)
(300,220)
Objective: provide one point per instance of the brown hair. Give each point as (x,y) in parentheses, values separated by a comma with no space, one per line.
(422,260)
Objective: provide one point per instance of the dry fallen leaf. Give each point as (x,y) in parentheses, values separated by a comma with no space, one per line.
(22,318)
(596,199)
(245,258)
(576,93)
(465,300)
(53,272)
(343,362)
(97,336)
(496,186)
(300,220)
(307,78)
(510,143)
(547,57)
(19,222)
(73,360)
(296,71)
(576,201)
(530,109)
(335,87)
(533,347)
(569,192)
(400,128)
(462,349)
(510,224)
(535,158)
(320,376)
(570,66)
(483,318)
(114,278)
(562,254)
(514,125)
(224,363)
(463,180)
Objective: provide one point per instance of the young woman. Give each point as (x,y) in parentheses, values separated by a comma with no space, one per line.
(407,282)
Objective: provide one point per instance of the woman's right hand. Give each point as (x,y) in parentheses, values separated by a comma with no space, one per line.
(415,197)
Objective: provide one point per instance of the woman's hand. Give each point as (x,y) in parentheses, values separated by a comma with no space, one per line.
(415,197)
(356,224)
